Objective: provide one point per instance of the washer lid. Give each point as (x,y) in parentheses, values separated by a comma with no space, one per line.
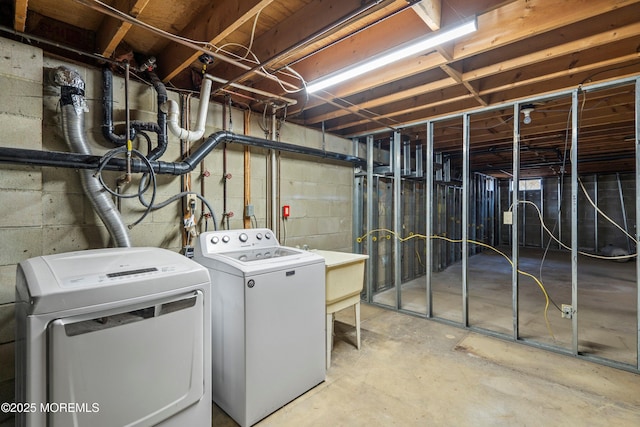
(97,276)
(255,255)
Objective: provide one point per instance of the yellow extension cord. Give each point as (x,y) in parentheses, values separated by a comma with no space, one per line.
(422,236)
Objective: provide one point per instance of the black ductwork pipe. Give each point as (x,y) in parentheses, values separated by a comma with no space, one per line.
(160,128)
(82,161)
(107,111)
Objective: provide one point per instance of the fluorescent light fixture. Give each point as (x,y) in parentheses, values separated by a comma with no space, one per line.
(396,54)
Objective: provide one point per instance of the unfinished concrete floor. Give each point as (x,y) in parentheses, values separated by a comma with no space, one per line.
(415,372)
(607,322)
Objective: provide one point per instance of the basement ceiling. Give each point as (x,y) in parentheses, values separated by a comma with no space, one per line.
(521,50)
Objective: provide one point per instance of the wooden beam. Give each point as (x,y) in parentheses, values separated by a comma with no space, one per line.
(512,22)
(562,73)
(402,112)
(457,76)
(20,15)
(430,11)
(397,96)
(213,25)
(631,30)
(317,18)
(523,18)
(112,31)
(624,32)
(534,27)
(273,47)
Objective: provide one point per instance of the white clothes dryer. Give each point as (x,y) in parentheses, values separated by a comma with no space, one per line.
(113,337)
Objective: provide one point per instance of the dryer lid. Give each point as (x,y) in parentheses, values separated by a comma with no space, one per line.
(97,276)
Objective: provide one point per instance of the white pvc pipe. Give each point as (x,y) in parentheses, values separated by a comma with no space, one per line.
(173,114)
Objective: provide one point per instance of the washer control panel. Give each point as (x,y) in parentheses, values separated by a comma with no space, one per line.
(232,240)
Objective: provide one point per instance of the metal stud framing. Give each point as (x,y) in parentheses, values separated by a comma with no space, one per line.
(429,198)
(574,220)
(397,217)
(431,194)
(637,142)
(515,227)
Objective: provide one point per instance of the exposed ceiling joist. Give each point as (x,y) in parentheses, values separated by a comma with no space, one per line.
(430,11)
(113,31)
(523,49)
(20,15)
(213,24)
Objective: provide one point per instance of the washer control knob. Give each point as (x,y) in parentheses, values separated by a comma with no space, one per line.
(215,240)
(259,236)
(243,237)
(267,236)
(225,239)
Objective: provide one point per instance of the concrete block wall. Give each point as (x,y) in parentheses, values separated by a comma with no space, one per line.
(44,210)
(21,219)
(604,190)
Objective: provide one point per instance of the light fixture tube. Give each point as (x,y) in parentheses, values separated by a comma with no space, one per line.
(396,54)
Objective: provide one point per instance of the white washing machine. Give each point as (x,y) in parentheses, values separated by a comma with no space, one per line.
(113,337)
(268,310)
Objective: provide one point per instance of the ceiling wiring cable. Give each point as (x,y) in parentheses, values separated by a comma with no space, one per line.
(485,245)
(287,71)
(128,18)
(253,30)
(205,47)
(251,39)
(588,78)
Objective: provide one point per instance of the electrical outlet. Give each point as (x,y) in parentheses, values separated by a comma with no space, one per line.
(567,311)
(248,211)
(507,218)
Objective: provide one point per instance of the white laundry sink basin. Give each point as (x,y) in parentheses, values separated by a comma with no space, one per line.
(344,278)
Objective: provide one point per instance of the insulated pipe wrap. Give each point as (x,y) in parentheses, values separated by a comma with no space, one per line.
(73,107)
(73,129)
(71,87)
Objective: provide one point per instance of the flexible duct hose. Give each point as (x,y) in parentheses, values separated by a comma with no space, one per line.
(72,99)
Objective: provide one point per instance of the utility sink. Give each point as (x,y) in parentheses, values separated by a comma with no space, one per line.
(344,281)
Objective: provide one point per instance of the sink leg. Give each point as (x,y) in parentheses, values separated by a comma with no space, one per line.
(329,329)
(357,310)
